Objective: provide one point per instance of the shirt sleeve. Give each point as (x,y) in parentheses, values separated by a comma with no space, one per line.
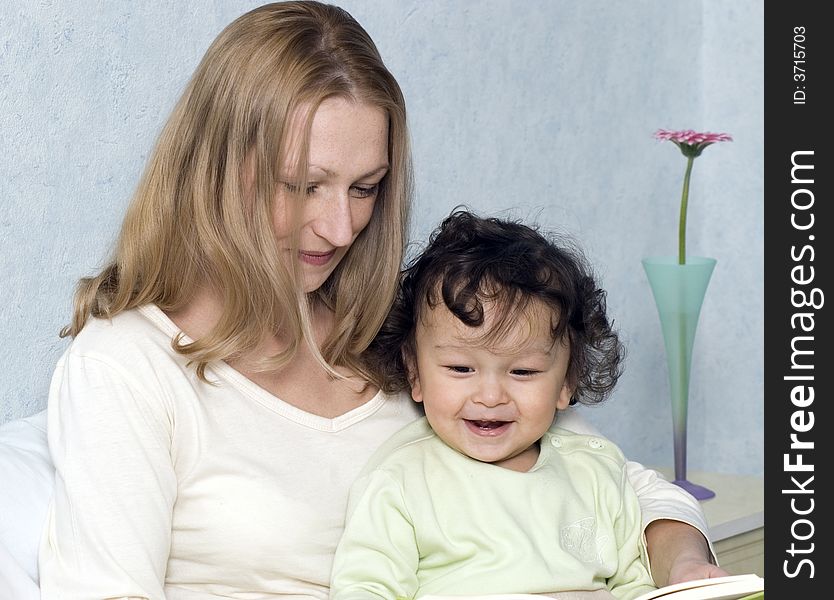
(659,499)
(377,556)
(108,533)
(632,577)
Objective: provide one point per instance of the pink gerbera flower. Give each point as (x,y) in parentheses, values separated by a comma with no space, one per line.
(691,144)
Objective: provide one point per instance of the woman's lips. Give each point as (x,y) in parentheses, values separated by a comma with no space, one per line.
(316,259)
(487,428)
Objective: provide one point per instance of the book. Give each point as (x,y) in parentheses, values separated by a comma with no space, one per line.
(732,587)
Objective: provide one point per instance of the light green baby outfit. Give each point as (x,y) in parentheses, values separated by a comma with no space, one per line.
(425,519)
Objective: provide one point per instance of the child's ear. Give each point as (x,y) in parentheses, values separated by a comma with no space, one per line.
(570,380)
(565,394)
(416,390)
(413,377)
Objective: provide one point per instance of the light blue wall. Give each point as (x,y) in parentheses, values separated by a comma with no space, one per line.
(542,107)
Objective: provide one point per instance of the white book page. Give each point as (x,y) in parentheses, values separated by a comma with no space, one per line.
(717,588)
(731,587)
(577,595)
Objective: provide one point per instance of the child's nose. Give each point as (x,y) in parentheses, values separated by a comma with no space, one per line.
(491,392)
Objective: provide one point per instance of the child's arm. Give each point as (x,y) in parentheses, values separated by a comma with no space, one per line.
(377,556)
(673,520)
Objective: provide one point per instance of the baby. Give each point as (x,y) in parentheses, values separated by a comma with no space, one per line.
(495,330)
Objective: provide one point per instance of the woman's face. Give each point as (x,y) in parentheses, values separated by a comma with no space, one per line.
(348,157)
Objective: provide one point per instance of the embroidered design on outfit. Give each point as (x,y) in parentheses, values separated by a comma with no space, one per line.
(580,540)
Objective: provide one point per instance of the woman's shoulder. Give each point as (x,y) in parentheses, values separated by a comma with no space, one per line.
(130,338)
(124,365)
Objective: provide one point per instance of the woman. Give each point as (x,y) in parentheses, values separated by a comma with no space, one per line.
(214,407)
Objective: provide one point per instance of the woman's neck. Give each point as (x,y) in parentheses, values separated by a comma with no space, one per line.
(197,318)
(303,381)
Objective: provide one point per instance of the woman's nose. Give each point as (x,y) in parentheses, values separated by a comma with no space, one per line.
(334,222)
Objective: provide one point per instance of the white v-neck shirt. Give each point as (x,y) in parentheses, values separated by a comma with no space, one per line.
(171,487)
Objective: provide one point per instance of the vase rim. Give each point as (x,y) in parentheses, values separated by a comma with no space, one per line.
(673,260)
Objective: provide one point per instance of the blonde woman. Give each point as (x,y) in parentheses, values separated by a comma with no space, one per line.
(213,408)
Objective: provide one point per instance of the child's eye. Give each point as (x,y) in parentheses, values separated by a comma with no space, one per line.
(293,188)
(364,191)
(525,372)
(459,369)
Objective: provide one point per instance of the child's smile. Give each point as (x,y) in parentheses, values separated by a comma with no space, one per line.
(488,428)
(491,401)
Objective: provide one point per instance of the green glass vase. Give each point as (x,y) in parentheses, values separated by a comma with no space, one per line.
(679,292)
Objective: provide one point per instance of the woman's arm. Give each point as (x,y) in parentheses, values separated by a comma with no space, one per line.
(673,522)
(109,527)
(675,528)
(681,553)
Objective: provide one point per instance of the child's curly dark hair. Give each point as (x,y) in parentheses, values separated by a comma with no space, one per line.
(470,260)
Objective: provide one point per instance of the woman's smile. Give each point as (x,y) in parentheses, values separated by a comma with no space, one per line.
(317,259)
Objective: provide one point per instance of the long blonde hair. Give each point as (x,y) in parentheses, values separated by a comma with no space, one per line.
(190,222)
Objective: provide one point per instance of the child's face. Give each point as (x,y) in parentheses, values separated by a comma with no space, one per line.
(491,403)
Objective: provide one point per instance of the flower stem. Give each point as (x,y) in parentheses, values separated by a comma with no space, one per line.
(684,202)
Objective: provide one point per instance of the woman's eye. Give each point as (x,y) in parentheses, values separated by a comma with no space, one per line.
(293,188)
(364,191)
